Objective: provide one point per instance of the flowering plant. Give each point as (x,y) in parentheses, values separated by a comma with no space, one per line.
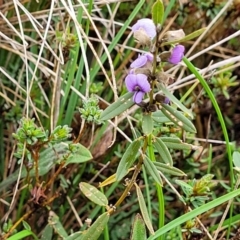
(147,77)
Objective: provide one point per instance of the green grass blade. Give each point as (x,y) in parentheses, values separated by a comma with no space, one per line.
(221,120)
(190,215)
(218,111)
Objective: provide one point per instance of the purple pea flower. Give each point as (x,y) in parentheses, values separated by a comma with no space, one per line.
(177,54)
(142,60)
(147,25)
(166,100)
(138,84)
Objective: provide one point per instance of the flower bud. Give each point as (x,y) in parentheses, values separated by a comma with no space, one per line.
(152,108)
(144,71)
(164,78)
(159,98)
(171,36)
(164,56)
(144,31)
(142,37)
(177,54)
(144,60)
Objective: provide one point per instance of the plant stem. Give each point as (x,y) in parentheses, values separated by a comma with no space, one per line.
(133,179)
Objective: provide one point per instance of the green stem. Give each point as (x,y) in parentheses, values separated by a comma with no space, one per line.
(133,179)
(149,206)
(161,207)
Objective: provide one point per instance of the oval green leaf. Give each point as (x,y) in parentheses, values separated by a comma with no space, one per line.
(165,168)
(158,12)
(82,154)
(128,159)
(236,159)
(163,151)
(22,234)
(159,117)
(176,143)
(186,38)
(47,233)
(97,228)
(138,229)
(48,158)
(118,107)
(143,209)
(178,118)
(175,100)
(147,123)
(152,170)
(93,194)
(55,223)
(75,236)
(111,179)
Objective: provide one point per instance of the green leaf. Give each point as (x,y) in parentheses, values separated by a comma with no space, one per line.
(54,222)
(159,117)
(178,118)
(177,143)
(138,230)
(147,123)
(75,236)
(152,170)
(236,159)
(194,213)
(47,233)
(184,185)
(93,194)
(47,160)
(163,151)
(186,38)
(175,100)
(128,159)
(26,225)
(122,104)
(143,209)
(158,12)
(111,179)
(162,167)
(82,154)
(96,229)
(22,235)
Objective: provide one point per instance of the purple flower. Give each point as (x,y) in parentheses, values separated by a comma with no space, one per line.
(138,84)
(166,100)
(147,25)
(142,60)
(177,54)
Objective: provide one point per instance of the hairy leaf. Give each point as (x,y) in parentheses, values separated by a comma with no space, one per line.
(143,209)
(122,104)
(178,118)
(147,123)
(175,100)
(82,154)
(152,170)
(138,229)
(162,167)
(128,159)
(93,194)
(163,151)
(158,12)
(96,229)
